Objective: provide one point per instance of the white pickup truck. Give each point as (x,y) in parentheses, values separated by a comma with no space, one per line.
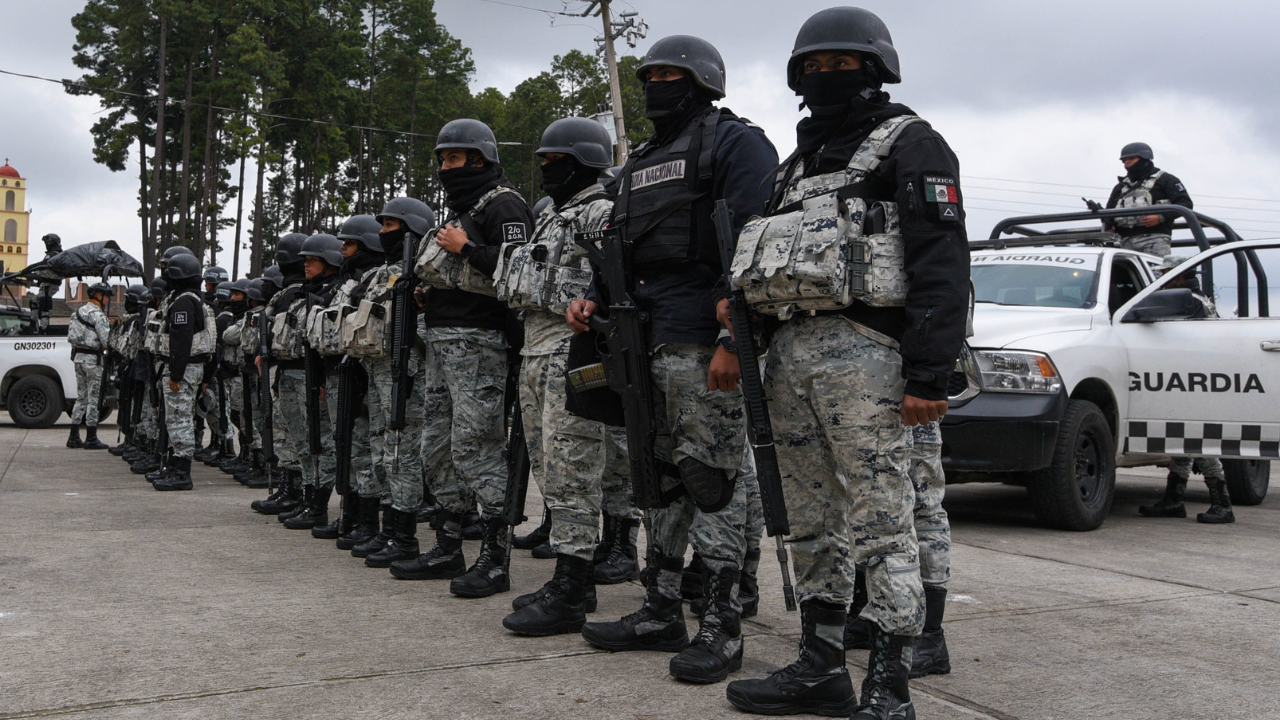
(1082,360)
(37,376)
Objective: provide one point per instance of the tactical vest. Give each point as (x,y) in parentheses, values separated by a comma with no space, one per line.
(82,332)
(154,331)
(549,271)
(827,245)
(364,330)
(288,328)
(250,335)
(324,324)
(1137,194)
(663,203)
(203,342)
(231,338)
(440,268)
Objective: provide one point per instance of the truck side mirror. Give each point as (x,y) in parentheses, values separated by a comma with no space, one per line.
(1176,304)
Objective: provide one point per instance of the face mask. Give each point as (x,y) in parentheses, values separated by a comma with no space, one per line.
(564,178)
(392,241)
(663,98)
(835,88)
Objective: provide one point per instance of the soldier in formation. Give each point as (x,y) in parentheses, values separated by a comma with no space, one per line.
(89,334)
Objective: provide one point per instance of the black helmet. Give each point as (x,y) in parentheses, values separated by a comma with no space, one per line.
(172,252)
(137,293)
(288,247)
(326,247)
(158,288)
(274,276)
(254,291)
(846,28)
(182,267)
(241,285)
(468,134)
(99,288)
(363,229)
(696,56)
(586,140)
(416,215)
(222,293)
(215,274)
(1139,149)
(541,205)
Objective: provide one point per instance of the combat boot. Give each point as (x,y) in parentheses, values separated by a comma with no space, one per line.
(1169,506)
(562,607)
(149,462)
(472,529)
(166,467)
(748,588)
(286,497)
(255,467)
(857,632)
(444,561)
(366,527)
(91,441)
(716,649)
(539,536)
(239,463)
(816,683)
(427,513)
(930,656)
(308,496)
(1219,512)
(121,449)
(692,580)
(589,601)
(403,544)
(133,451)
(225,455)
(657,625)
(179,478)
(621,562)
(74,441)
(488,576)
(345,521)
(317,513)
(885,691)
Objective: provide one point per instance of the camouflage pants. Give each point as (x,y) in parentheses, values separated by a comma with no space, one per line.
(835,396)
(88,388)
(755,511)
(1209,467)
(692,421)
(179,411)
(1155,244)
(581,464)
(401,462)
(463,439)
(147,417)
(291,406)
(362,476)
(284,425)
(933,529)
(235,399)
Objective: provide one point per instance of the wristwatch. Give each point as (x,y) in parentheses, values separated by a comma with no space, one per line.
(465,250)
(727,343)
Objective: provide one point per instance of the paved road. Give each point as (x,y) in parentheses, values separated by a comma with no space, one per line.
(120,602)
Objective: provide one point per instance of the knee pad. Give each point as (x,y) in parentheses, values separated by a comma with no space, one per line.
(711,488)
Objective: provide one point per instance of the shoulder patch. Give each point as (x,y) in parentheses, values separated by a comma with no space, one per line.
(180,317)
(943,191)
(514,232)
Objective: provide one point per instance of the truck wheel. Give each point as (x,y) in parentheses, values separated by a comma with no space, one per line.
(1075,491)
(1247,480)
(35,401)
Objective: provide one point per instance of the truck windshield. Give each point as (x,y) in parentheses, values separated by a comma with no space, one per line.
(1065,282)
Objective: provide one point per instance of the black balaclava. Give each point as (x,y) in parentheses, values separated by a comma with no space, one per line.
(237,307)
(672,104)
(465,185)
(844,106)
(393,243)
(363,260)
(177,287)
(1140,169)
(294,273)
(565,177)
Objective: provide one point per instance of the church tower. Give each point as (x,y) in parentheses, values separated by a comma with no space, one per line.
(14,218)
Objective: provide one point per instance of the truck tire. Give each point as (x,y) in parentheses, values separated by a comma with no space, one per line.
(35,401)
(1247,480)
(1076,490)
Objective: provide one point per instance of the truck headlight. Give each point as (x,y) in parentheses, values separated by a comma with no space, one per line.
(1012,371)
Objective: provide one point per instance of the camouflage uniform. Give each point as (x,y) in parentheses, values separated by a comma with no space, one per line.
(933,529)
(843,453)
(291,411)
(178,414)
(89,325)
(374,483)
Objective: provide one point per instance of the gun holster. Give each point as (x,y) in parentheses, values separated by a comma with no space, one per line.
(711,488)
(586,389)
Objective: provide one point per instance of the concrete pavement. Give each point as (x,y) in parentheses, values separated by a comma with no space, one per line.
(120,602)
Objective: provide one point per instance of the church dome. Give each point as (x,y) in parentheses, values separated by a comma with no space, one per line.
(7,170)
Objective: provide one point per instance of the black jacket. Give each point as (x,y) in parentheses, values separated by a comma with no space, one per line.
(505,217)
(1167,188)
(186,318)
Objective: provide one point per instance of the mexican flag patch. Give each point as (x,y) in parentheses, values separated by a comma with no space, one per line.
(937,193)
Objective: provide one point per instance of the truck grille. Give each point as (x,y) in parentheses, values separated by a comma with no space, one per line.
(959,383)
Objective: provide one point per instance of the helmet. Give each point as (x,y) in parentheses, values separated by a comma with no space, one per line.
(846,28)
(363,229)
(99,288)
(470,135)
(1137,149)
(583,139)
(173,252)
(254,290)
(206,403)
(52,243)
(223,292)
(158,288)
(137,293)
(326,247)
(273,276)
(696,56)
(182,267)
(541,205)
(215,274)
(417,216)
(288,247)
(241,285)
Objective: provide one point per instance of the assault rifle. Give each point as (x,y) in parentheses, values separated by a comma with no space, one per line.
(351,391)
(1093,205)
(404,328)
(312,370)
(266,431)
(759,427)
(517,478)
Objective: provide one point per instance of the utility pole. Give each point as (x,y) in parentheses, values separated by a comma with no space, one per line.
(615,88)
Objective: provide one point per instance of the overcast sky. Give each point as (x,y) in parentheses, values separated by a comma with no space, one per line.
(1025,91)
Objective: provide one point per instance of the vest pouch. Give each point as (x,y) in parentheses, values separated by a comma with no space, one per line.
(364,331)
(205,342)
(564,285)
(662,231)
(877,275)
(285,338)
(440,268)
(516,280)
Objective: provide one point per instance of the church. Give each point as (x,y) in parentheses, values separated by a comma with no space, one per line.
(14,217)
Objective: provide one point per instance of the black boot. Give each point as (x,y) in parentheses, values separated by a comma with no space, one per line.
(1219,505)
(343,524)
(132,451)
(692,582)
(382,537)
(749,588)
(444,561)
(91,441)
(488,575)
(74,441)
(885,692)
(857,632)
(472,529)
(121,450)
(404,542)
(539,536)
(816,683)
(562,607)
(716,650)
(286,497)
(317,513)
(930,656)
(255,472)
(657,625)
(150,462)
(1169,506)
(166,467)
(179,478)
(225,454)
(589,601)
(366,527)
(308,497)
(621,563)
